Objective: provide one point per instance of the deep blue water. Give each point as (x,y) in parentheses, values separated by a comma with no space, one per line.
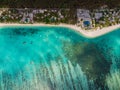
(57,58)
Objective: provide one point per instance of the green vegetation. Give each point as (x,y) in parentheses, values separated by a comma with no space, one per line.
(10,15)
(55,16)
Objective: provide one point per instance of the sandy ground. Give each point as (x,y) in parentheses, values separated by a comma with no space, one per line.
(87,33)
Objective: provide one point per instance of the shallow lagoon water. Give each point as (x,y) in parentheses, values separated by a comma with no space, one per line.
(57,58)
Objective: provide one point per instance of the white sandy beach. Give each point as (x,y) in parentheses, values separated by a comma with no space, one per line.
(87,33)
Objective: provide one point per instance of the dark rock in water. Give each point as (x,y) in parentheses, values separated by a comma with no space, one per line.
(24,42)
(91,61)
(23,31)
(31,42)
(58,60)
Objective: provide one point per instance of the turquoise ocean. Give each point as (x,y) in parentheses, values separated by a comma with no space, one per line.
(58,58)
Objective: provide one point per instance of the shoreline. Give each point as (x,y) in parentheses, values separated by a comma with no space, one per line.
(86,33)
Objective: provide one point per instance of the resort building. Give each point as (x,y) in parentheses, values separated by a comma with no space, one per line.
(84,18)
(98,15)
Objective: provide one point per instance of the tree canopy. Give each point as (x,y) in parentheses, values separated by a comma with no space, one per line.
(58,3)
